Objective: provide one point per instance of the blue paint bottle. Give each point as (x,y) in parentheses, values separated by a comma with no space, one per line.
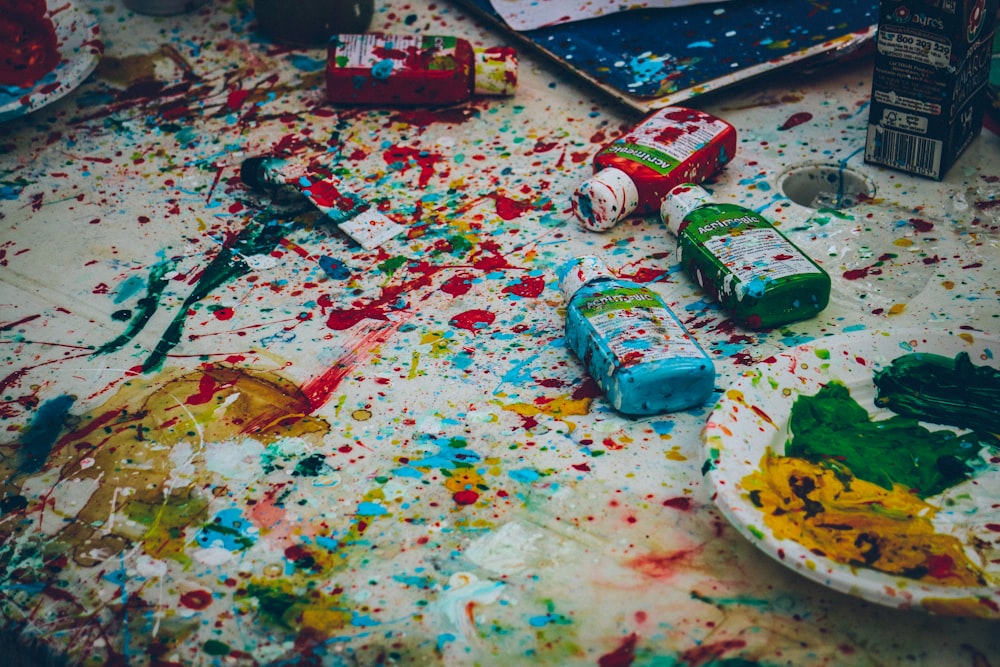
(632,344)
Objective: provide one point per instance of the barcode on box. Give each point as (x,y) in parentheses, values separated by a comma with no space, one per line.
(918,155)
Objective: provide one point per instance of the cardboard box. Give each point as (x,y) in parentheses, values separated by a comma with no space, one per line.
(932,63)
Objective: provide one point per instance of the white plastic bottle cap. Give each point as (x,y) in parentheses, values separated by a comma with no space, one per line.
(496,71)
(680,201)
(604,199)
(576,273)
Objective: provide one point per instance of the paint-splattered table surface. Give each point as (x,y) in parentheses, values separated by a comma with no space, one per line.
(230,436)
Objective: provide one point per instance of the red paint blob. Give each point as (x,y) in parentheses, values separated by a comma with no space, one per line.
(623,656)
(529,286)
(206,390)
(508,209)
(465,497)
(940,566)
(796,119)
(457,285)
(196,599)
(235,98)
(678,503)
(473,320)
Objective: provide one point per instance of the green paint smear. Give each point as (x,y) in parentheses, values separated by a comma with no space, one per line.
(145,309)
(259,237)
(942,390)
(274,603)
(256,239)
(832,429)
(215,647)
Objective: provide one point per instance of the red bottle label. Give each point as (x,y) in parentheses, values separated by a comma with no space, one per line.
(376,68)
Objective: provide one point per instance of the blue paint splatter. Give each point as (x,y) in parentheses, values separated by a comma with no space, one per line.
(334,268)
(44,431)
(230,530)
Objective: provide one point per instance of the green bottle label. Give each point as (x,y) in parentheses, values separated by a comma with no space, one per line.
(655,159)
(748,248)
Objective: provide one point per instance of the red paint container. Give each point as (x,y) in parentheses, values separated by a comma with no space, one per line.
(635,172)
(28,46)
(377,68)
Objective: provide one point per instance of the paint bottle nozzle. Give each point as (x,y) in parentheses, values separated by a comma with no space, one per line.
(253,172)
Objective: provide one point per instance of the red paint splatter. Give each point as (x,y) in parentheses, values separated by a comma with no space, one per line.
(196,599)
(465,497)
(995,527)
(225,313)
(589,389)
(457,285)
(405,157)
(582,467)
(678,503)
(645,275)
(940,566)
(206,390)
(796,119)
(623,656)
(855,274)
(325,193)
(508,208)
(425,117)
(611,444)
(763,415)
(339,320)
(528,286)
(473,320)
(661,566)
(922,226)
(235,98)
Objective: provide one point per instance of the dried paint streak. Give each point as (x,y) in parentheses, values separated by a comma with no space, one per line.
(38,440)
(145,308)
(122,458)
(256,239)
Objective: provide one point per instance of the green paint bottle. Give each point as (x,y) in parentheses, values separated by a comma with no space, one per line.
(758,276)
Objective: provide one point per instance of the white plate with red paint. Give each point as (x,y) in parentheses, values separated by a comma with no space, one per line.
(887,543)
(80,49)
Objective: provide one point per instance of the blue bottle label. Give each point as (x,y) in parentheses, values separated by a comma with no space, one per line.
(636,326)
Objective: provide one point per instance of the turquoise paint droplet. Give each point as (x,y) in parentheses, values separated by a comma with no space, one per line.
(525,475)
(371,509)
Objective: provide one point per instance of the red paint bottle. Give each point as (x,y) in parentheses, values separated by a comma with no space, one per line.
(635,172)
(376,68)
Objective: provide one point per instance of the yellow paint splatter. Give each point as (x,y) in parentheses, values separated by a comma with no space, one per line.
(969,607)
(674,454)
(897,308)
(857,523)
(559,408)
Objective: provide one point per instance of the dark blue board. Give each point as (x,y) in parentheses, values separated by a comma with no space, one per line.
(648,55)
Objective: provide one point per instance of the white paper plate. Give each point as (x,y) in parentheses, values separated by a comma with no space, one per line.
(751,420)
(80,49)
